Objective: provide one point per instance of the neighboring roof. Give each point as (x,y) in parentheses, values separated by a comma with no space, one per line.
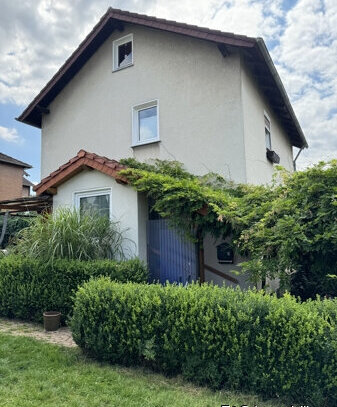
(256,54)
(13,161)
(26,182)
(30,203)
(82,160)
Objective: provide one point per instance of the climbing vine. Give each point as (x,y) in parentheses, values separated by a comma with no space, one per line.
(288,228)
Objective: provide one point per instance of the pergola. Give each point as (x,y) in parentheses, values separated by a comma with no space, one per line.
(36,204)
(23,207)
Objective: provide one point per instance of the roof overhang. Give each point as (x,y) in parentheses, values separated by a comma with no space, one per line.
(83,160)
(115,19)
(6,159)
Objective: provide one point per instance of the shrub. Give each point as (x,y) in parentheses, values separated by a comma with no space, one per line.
(29,286)
(215,336)
(14,225)
(69,234)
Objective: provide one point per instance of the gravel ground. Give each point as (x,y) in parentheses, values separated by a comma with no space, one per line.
(14,327)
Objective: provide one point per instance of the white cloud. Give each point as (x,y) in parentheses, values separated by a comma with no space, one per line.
(36,38)
(10,135)
(306,58)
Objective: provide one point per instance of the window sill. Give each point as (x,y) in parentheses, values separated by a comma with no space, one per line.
(145,143)
(121,69)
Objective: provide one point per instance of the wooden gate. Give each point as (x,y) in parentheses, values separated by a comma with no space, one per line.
(171,257)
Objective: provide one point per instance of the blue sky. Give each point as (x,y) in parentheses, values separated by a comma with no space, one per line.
(36,36)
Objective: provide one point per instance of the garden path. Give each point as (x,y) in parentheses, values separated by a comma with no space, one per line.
(14,327)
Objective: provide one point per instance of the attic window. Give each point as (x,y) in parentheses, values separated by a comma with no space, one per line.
(122,50)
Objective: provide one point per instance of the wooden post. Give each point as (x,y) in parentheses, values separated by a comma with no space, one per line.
(201,258)
(4,227)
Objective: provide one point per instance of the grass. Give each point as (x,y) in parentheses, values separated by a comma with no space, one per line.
(33,373)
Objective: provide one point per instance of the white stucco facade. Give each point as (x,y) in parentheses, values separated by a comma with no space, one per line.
(124,206)
(211,114)
(211,118)
(254,106)
(200,115)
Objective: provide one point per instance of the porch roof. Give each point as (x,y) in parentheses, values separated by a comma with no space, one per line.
(81,161)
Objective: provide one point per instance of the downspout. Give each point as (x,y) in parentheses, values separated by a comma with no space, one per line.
(4,227)
(201,257)
(297,155)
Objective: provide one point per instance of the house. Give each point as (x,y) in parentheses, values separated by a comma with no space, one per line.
(13,183)
(143,87)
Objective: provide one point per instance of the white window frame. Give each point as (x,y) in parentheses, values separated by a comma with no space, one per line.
(135,123)
(87,193)
(115,45)
(266,116)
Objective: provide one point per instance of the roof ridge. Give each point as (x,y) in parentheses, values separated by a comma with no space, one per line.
(177,23)
(11,160)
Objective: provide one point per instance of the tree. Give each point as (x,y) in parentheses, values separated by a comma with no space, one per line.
(296,238)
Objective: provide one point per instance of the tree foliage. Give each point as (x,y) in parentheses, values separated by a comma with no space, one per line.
(288,228)
(14,225)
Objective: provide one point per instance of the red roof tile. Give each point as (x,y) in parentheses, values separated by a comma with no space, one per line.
(74,165)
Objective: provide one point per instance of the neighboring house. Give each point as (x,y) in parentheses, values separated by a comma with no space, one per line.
(13,183)
(143,87)
(26,186)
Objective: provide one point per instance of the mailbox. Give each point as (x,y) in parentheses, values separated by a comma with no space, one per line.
(225,253)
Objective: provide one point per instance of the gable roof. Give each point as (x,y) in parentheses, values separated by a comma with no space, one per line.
(13,161)
(256,55)
(26,182)
(82,160)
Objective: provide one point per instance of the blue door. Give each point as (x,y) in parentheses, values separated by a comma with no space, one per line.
(171,257)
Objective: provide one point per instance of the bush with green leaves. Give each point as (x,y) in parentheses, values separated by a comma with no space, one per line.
(28,287)
(68,234)
(214,336)
(14,225)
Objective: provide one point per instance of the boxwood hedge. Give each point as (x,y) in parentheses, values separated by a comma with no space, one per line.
(216,336)
(28,287)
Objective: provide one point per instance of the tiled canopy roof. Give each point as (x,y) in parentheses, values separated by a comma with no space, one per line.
(10,160)
(82,160)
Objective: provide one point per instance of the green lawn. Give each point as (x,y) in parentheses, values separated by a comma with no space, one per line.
(38,374)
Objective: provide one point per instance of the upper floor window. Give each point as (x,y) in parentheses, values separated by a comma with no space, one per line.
(145,123)
(267,131)
(94,201)
(122,52)
(271,155)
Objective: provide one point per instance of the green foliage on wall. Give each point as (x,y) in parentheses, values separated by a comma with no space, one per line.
(288,228)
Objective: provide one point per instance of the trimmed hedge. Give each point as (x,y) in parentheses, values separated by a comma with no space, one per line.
(213,336)
(28,286)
